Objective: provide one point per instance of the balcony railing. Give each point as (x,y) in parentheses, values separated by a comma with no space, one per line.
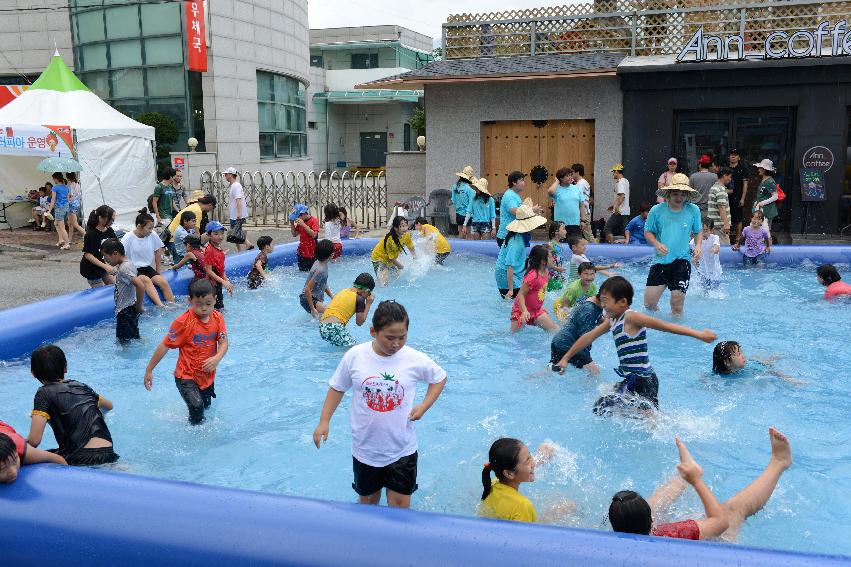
(632,27)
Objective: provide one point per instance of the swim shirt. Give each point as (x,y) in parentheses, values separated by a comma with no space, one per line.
(199,264)
(754,241)
(506,503)
(71,409)
(583,318)
(512,253)
(20,442)
(836,289)
(319,273)
(632,350)
(674,230)
(197,342)
(510,200)
(386,251)
(635,227)
(215,258)
(344,305)
(557,252)
(482,211)
(687,529)
(307,243)
(441,245)
(537,285)
(574,293)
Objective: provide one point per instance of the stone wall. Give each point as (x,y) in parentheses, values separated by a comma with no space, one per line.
(406,176)
(27,36)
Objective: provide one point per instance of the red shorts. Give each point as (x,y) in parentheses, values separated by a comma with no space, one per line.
(338,250)
(533,315)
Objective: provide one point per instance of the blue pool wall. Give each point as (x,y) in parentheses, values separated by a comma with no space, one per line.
(74,516)
(24,328)
(66,516)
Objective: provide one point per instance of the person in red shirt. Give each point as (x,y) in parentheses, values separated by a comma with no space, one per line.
(201,336)
(214,262)
(630,513)
(16,452)
(306,227)
(829,277)
(528,306)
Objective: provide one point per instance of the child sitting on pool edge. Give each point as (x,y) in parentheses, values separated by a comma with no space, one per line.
(640,387)
(194,257)
(15,452)
(384,374)
(350,302)
(729,358)
(201,336)
(828,276)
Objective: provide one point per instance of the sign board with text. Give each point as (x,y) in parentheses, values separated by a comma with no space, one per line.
(196,36)
(29,140)
(812,185)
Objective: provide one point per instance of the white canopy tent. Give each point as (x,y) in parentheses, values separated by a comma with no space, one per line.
(115,151)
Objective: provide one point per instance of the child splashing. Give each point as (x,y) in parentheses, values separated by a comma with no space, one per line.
(385,255)
(434,240)
(529,304)
(728,358)
(709,262)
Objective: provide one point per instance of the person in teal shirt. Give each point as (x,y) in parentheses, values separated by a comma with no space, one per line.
(482,211)
(669,228)
(511,200)
(511,262)
(568,199)
(461,196)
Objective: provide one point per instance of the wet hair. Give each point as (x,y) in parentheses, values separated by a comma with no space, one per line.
(563,172)
(343,211)
(365,280)
(59,177)
(586,267)
(194,241)
(102,212)
(324,249)
(708,222)
(644,207)
(618,287)
(828,274)
(187,216)
(574,240)
(514,177)
(168,172)
(207,200)
(758,214)
(110,246)
(201,288)
(722,354)
(554,226)
(7,450)
(263,242)
(387,313)
(502,457)
(48,364)
(630,513)
(725,171)
(539,255)
(397,222)
(143,217)
(578,168)
(331,212)
(420,221)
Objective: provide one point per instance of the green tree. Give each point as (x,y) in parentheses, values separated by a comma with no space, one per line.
(418,121)
(165,132)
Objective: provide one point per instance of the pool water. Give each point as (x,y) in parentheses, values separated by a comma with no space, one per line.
(272,383)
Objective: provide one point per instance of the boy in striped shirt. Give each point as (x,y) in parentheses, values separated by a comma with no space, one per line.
(639,387)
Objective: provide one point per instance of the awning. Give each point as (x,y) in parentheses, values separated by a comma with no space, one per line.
(370,96)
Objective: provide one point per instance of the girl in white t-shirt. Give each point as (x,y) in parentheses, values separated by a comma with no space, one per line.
(333,226)
(144,249)
(709,265)
(383,374)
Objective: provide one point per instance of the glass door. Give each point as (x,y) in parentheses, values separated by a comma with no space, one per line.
(701,133)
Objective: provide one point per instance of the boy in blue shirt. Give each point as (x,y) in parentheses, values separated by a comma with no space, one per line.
(669,228)
(634,231)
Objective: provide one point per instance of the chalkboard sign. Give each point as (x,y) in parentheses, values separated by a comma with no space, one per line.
(812,185)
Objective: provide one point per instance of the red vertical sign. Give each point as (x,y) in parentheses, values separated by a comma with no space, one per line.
(196,36)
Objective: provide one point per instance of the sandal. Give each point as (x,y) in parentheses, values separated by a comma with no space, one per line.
(65,247)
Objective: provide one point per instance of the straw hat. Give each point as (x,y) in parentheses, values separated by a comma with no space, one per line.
(195,195)
(765,164)
(526,220)
(466,173)
(482,185)
(679,182)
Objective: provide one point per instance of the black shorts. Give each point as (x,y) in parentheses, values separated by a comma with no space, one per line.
(89,457)
(220,295)
(616,225)
(675,276)
(127,324)
(633,393)
(90,271)
(197,400)
(502,292)
(302,299)
(499,241)
(236,235)
(304,264)
(459,220)
(147,271)
(578,360)
(400,477)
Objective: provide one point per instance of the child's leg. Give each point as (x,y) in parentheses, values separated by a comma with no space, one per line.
(191,394)
(160,282)
(108,279)
(373,498)
(320,307)
(545,322)
(396,500)
(207,395)
(516,325)
(220,296)
(151,291)
(754,496)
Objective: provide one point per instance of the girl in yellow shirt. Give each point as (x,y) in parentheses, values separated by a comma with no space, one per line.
(512,463)
(385,255)
(431,233)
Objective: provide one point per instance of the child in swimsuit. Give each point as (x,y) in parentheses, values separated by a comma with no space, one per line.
(556,268)
(829,277)
(529,304)
(728,358)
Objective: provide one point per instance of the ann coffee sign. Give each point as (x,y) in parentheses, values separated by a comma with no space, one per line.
(818,157)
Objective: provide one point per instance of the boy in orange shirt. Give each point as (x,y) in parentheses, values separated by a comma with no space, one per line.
(201,336)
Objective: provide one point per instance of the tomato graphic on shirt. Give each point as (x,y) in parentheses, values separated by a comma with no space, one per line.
(383,393)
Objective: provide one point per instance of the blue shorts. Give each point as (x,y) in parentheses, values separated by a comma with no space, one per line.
(753,261)
(481,227)
(61,212)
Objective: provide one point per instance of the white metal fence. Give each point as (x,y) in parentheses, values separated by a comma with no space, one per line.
(270,196)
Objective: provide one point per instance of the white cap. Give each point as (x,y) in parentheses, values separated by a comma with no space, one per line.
(231,171)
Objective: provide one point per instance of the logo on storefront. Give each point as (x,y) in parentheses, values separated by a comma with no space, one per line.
(794,45)
(818,157)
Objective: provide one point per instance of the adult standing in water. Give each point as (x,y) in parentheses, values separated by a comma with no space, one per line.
(511,200)
(669,227)
(462,197)
(570,202)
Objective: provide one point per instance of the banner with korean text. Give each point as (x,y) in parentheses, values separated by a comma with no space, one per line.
(28,140)
(196,36)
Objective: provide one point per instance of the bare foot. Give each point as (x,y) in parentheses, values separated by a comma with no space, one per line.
(781,449)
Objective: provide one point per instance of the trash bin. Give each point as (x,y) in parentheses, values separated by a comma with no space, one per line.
(439,201)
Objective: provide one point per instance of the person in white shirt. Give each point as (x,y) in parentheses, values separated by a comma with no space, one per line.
(238,211)
(383,374)
(620,208)
(709,264)
(144,248)
(585,221)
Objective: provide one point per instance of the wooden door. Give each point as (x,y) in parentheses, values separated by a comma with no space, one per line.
(524,144)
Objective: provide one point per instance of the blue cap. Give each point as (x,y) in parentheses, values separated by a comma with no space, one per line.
(214,226)
(298,210)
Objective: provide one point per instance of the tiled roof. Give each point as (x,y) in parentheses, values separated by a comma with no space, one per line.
(555,64)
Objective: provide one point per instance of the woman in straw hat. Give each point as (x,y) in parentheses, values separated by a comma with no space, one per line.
(669,228)
(462,195)
(511,262)
(482,213)
(766,193)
